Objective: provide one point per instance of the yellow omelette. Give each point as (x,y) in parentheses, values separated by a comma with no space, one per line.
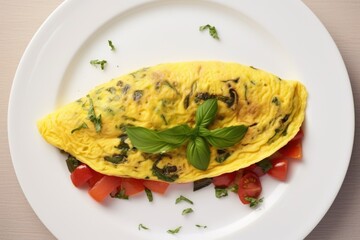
(93,128)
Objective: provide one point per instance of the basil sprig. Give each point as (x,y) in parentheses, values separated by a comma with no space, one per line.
(198,139)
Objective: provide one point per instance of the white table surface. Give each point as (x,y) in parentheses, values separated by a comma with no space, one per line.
(19,19)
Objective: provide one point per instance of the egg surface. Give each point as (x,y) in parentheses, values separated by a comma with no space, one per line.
(93,128)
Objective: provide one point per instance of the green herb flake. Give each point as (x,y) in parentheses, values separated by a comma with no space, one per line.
(200,226)
(275,101)
(183,199)
(97,62)
(82,126)
(212,31)
(120,195)
(96,120)
(174,231)
(111,45)
(187,211)
(116,158)
(142,226)
(221,192)
(265,165)
(234,188)
(254,202)
(72,163)
(149,194)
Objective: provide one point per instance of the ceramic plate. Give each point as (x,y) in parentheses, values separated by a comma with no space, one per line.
(280,36)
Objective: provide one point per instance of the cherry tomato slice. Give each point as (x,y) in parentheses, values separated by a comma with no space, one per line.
(132,186)
(249,186)
(255,169)
(104,187)
(81,175)
(156,186)
(279,169)
(224,180)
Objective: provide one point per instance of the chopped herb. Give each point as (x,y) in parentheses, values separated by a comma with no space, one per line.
(137,95)
(120,195)
(254,202)
(167,83)
(72,163)
(199,184)
(141,226)
(275,101)
(82,126)
(187,101)
(234,188)
(222,155)
(245,94)
(96,62)
(174,231)
(149,194)
(201,226)
(212,30)
(92,116)
(126,88)
(182,198)
(111,90)
(116,158)
(265,165)
(187,211)
(111,45)
(167,173)
(164,119)
(221,192)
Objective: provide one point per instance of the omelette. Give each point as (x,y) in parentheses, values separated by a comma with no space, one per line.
(93,128)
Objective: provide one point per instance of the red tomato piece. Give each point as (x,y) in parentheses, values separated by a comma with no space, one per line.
(156,186)
(249,186)
(81,175)
(104,187)
(132,186)
(279,169)
(292,150)
(95,178)
(299,135)
(255,169)
(224,180)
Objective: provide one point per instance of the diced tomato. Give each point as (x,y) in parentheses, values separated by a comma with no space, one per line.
(279,169)
(292,150)
(156,186)
(95,178)
(81,175)
(104,187)
(224,180)
(249,186)
(299,135)
(255,169)
(132,186)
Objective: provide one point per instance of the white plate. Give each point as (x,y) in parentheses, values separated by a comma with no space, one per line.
(280,36)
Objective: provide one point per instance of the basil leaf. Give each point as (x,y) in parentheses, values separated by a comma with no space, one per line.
(150,141)
(206,113)
(198,153)
(226,137)
(176,135)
